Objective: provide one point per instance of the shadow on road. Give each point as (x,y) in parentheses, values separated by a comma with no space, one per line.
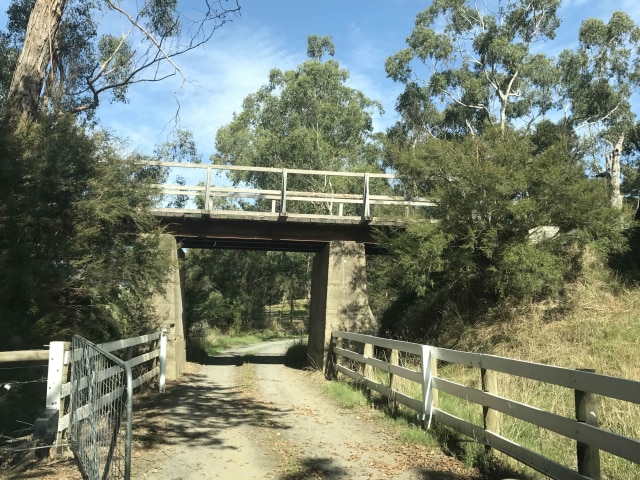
(315,467)
(240,360)
(196,411)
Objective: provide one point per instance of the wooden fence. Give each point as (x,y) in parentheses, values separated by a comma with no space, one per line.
(279,199)
(147,365)
(586,384)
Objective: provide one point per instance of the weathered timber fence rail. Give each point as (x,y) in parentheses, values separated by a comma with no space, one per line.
(590,439)
(331,197)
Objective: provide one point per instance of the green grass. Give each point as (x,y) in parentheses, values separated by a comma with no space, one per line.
(345,395)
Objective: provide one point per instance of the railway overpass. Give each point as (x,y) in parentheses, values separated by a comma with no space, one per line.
(332,221)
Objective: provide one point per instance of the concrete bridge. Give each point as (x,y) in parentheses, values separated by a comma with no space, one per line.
(338,226)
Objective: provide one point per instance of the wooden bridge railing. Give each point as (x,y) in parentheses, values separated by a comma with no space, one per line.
(590,439)
(207,192)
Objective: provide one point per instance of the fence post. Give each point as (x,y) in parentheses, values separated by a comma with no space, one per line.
(490,416)
(434,374)
(331,372)
(368,352)
(586,412)
(163,359)
(427,398)
(393,360)
(56,377)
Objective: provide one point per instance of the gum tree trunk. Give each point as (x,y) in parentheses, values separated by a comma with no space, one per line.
(23,99)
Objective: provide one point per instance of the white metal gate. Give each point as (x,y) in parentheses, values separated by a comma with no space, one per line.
(100,411)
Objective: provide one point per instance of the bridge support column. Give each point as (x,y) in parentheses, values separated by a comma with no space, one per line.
(338,297)
(169,308)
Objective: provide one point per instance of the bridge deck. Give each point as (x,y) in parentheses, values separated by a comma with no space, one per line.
(224,214)
(267,231)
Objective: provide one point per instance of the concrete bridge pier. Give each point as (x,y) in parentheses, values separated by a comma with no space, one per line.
(169,308)
(338,297)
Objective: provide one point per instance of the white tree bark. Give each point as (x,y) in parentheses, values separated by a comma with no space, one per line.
(616,196)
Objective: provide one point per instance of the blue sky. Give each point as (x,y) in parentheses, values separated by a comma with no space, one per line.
(272,34)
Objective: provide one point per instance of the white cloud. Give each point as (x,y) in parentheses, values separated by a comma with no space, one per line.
(219,76)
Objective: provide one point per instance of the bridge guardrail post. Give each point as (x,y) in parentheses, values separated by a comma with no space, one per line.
(207,191)
(587,412)
(283,194)
(366,202)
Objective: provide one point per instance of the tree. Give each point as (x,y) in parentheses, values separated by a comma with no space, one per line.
(598,79)
(78,249)
(479,70)
(64,65)
(480,66)
(230,289)
(494,191)
(305,118)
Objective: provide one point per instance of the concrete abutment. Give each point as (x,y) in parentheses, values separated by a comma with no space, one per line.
(338,297)
(169,308)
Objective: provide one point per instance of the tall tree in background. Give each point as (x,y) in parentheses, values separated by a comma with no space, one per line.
(598,79)
(305,118)
(64,65)
(229,289)
(479,69)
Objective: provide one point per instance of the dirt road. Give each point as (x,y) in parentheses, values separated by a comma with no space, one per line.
(247,416)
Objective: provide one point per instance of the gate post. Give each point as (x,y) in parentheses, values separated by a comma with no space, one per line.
(55,404)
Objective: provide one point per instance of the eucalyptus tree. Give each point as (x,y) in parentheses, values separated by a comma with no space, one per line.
(598,80)
(306,118)
(479,68)
(66,65)
(468,66)
(500,134)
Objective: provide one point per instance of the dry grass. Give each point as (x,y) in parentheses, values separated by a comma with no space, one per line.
(597,326)
(601,331)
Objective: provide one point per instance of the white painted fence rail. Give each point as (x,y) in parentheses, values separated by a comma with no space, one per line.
(583,429)
(151,363)
(208,192)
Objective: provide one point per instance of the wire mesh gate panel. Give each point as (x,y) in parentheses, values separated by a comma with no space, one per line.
(100,412)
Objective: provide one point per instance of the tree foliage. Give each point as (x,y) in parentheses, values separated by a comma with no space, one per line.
(306,118)
(65,65)
(479,246)
(468,66)
(480,65)
(78,243)
(230,289)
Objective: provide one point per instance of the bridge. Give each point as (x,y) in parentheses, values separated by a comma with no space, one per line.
(332,214)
